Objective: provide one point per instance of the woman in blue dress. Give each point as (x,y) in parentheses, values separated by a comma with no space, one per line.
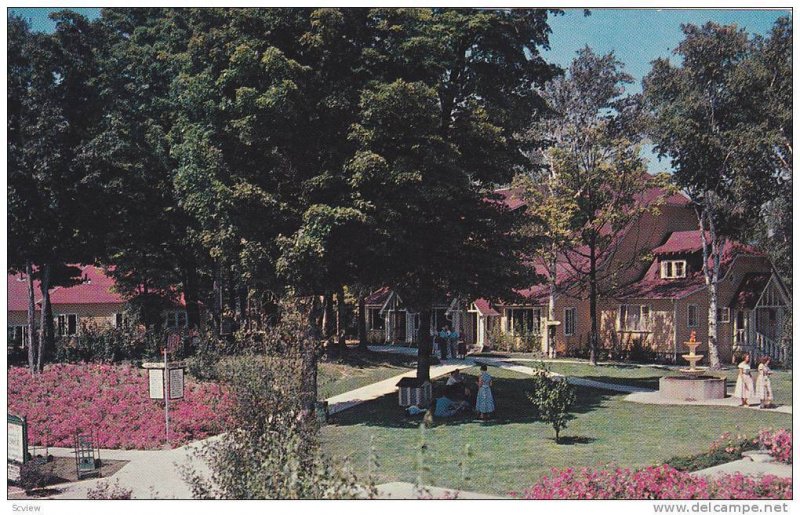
(485,402)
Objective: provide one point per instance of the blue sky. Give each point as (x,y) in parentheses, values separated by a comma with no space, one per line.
(636,36)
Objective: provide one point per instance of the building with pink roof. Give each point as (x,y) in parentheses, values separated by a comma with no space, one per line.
(659,296)
(92,301)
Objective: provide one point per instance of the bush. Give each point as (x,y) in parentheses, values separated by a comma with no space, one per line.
(273,451)
(108,491)
(658,482)
(33,476)
(552,397)
(778,443)
(728,447)
(525,342)
(105,344)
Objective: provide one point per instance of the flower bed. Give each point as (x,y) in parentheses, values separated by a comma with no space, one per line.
(729,447)
(658,482)
(113,402)
(778,443)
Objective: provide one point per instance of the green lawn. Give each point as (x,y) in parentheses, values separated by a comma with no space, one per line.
(647,377)
(359,368)
(513,451)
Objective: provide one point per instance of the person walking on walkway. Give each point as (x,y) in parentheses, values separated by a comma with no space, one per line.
(485,403)
(763,383)
(744,383)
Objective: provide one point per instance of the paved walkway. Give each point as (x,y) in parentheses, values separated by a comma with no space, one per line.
(347,400)
(400,490)
(753,463)
(149,474)
(508,364)
(652,397)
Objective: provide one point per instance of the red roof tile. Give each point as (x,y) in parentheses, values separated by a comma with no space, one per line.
(510,197)
(652,286)
(17,292)
(96,288)
(485,309)
(378,297)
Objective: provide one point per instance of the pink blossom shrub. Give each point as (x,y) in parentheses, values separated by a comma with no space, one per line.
(657,482)
(733,444)
(778,443)
(113,402)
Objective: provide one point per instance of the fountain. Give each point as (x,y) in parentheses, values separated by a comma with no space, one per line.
(693,384)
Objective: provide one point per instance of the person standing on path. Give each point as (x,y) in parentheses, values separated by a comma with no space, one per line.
(453,343)
(763,383)
(744,383)
(444,339)
(485,403)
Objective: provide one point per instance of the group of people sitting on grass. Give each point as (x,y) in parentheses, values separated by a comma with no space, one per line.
(449,342)
(459,397)
(762,390)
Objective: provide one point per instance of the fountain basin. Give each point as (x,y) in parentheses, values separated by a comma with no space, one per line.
(692,387)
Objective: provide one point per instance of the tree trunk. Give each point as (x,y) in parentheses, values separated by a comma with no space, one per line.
(551,305)
(593,336)
(191,296)
(31,319)
(362,323)
(328,316)
(46,329)
(341,321)
(712,278)
(424,346)
(309,354)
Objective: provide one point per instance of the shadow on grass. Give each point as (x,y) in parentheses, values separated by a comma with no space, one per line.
(650,382)
(510,396)
(365,359)
(574,440)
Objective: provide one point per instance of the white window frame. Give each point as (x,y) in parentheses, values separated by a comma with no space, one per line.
(174,315)
(689,316)
(23,332)
(645,312)
(724,315)
(373,315)
(669,269)
(66,316)
(569,329)
(536,319)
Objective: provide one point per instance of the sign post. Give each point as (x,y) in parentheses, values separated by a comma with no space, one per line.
(17,445)
(166,379)
(166,396)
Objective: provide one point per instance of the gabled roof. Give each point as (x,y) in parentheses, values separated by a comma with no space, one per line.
(750,290)
(17,292)
(652,286)
(485,309)
(511,197)
(95,288)
(681,242)
(378,297)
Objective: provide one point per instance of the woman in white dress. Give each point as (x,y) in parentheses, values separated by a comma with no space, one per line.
(763,383)
(744,383)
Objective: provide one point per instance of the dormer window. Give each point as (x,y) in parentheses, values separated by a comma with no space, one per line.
(674,269)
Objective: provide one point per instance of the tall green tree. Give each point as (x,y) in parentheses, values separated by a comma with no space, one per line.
(53,108)
(592,178)
(130,169)
(706,119)
(435,136)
